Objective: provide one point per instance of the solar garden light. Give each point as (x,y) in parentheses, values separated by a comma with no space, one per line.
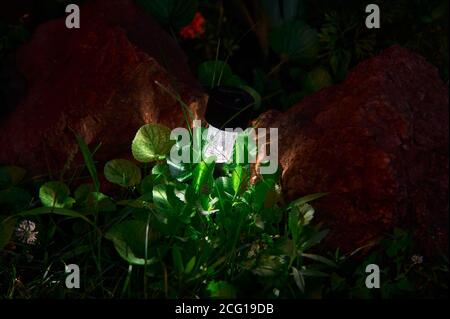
(227,114)
(229,109)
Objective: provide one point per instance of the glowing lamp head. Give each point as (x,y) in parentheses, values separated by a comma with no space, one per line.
(228,108)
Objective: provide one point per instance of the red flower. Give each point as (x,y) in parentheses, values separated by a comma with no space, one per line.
(195,28)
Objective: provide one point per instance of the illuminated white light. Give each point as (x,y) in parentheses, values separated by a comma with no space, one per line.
(220,144)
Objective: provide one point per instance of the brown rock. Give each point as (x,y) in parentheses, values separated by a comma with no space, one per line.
(378,143)
(99,81)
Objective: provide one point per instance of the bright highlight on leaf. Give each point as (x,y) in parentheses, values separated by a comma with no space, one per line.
(152,143)
(55,194)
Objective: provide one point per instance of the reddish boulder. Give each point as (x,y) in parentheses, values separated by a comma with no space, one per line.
(378,143)
(99,81)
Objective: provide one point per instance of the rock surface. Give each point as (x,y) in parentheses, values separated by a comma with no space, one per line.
(99,81)
(378,143)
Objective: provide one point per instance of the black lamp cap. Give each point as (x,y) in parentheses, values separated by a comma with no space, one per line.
(225,103)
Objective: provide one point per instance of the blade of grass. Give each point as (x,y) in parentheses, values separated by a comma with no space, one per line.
(56,211)
(184,106)
(87,156)
(217,58)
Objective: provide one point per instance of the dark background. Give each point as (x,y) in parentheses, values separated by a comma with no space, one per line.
(419,25)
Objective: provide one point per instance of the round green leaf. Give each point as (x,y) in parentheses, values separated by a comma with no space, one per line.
(221,290)
(129,240)
(82,192)
(317,79)
(101,202)
(151,143)
(122,172)
(295,40)
(55,194)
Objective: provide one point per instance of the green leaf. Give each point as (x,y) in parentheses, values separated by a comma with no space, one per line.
(177,259)
(7,226)
(122,172)
(55,194)
(306,212)
(124,250)
(203,172)
(339,62)
(11,176)
(176,13)
(270,265)
(144,201)
(151,143)
(129,240)
(224,187)
(82,192)
(313,273)
(306,199)
(299,280)
(259,194)
(295,40)
(166,200)
(213,73)
(321,259)
(100,202)
(181,171)
(56,211)
(295,225)
(170,211)
(317,79)
(146,185)
(314,240)
(88,160)
(161,174)
(190,265)
(221,290)
(240,178)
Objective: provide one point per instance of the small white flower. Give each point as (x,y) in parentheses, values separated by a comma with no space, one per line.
(276,292)
(26,232)
(417,259)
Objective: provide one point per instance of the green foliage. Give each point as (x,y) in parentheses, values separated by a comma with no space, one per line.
(151,143)
(215,73)
(175,13)
(283,11)
(213,235)
(295,40)
(7,226)
(221,290)
(87,156)
(203,230)
(122,172)
(129,238)
(317,79)
(208,212)
(55,194)
(343,38)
